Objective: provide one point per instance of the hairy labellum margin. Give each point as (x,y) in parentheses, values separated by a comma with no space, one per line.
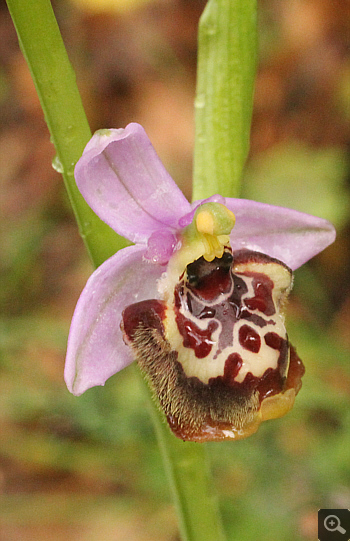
(217,357)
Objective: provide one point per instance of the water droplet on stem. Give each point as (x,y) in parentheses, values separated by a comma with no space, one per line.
(57,165)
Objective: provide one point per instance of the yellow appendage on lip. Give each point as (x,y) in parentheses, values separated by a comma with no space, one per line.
(214,219)
(213,223)
(205,222)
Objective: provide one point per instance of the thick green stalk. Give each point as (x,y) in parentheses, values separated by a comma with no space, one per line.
(189,473)
(188,469)
(54,78)
(227,50)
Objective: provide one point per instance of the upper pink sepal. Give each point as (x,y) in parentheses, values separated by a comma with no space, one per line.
(123,180)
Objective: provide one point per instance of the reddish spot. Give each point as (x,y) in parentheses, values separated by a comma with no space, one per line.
(232,367)
(262,301)
(195,338)
(209,279)
(217,282)
(274,340)
(274,380)
(271,383)
(249,339)
(295,372)
(148,314)
(207,312)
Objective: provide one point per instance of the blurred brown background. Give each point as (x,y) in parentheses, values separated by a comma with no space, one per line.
(88,468)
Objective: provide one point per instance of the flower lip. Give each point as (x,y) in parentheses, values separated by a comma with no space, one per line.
(205,397)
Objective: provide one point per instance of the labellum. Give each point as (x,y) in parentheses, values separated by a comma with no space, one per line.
(216,353)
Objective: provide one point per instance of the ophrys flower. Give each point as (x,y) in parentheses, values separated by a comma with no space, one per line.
(197,300)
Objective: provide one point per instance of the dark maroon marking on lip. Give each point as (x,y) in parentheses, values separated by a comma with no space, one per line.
(149,314)
(179,295)
(274,380)
(217,283)
(273,340)
(283,377)
(254,318)
(249,339)
(226,310)
(262,300)
(207,312)
(194,337)
(270,383)
(239,289)
(296,371)
(210,278)
(233,365)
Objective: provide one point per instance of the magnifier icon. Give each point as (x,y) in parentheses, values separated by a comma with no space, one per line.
(332,524)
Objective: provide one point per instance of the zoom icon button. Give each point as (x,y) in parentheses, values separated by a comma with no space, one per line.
(334,524)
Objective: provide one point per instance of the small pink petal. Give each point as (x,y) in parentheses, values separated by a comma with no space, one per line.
(96,349)
(160,246)
(288,235)
(125,183)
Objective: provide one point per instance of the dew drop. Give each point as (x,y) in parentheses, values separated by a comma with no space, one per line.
(200,101)
(57,165)
(211,29)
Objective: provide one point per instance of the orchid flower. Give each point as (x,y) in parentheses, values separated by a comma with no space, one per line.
(197,301)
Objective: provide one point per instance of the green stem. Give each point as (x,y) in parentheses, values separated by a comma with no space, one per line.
(43,48)
(227,53)
(54,78)
(189,474)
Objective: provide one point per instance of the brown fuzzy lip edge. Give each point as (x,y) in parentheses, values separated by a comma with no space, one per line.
(183,401)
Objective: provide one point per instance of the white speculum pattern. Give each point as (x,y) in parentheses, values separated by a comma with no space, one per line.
(254,362)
